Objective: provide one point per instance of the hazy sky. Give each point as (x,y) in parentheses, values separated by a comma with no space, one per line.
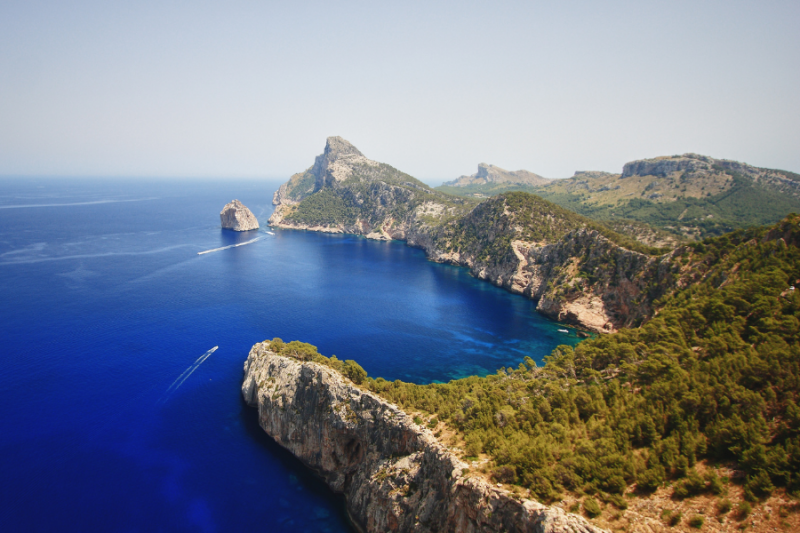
(433,88)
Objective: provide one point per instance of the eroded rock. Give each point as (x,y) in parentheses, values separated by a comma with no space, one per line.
(394,474)
(237,217)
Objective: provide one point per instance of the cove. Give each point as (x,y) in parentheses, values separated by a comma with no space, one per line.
(106,304)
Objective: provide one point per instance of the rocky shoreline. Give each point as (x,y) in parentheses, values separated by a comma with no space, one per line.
(394,474)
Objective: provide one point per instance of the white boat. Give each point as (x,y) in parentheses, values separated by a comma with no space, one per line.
(270,233)
(564,330)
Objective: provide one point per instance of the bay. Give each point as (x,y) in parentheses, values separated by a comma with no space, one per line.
(107,306)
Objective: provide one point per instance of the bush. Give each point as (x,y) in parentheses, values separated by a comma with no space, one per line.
(696,521)
(724,506)
(354,371)
(743,510)
(759,486)
(591,507)
(651,479)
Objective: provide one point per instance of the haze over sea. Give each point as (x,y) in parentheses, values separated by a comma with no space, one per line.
(107,424)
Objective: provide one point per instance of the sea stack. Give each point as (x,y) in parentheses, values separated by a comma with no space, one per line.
(237,217)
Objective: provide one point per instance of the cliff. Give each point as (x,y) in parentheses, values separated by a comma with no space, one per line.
(394,474)
(237,217)
(577,271)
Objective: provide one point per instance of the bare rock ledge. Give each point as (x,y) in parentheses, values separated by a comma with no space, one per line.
(394,474)
(237,217)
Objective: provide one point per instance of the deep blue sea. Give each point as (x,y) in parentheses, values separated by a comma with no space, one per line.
(106,303)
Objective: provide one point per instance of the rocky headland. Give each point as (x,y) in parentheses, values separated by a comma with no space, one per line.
(578,271)
(235,216)
(395,475)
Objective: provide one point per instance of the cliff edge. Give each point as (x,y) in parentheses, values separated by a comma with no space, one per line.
(394,474)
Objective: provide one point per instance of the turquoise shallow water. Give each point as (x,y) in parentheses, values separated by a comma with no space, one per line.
(106,303)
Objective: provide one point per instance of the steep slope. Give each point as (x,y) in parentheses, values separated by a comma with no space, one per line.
(694,412)
(394,474)
(577,271)
(344,192)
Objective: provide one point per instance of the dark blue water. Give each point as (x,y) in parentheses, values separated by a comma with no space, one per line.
(105,302)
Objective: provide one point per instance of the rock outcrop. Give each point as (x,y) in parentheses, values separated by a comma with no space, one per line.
(237,217)
(394,474)
(490,174)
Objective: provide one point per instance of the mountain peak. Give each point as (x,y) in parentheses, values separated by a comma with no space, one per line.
(337,146)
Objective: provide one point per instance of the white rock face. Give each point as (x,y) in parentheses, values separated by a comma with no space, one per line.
(395,475)
(237,217)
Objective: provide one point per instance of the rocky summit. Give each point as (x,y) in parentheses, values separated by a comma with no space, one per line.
(237,217)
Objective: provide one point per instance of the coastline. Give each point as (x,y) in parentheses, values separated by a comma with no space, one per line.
(395,475)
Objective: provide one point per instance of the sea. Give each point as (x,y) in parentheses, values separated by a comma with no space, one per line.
(122,346)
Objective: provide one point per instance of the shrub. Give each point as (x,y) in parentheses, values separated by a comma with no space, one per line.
(696,521)
(759,485)
(591,507)
(724,506)
(743,510)
(354,371)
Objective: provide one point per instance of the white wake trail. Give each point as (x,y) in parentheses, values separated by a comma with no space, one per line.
(185,375)
(230,246)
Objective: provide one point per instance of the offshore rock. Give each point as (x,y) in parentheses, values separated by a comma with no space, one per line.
(237,217)
(394,474)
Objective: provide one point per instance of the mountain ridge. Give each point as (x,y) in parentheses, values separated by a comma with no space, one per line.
(522,243)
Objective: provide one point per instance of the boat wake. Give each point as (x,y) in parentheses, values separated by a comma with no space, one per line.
(230,246)
(185,375)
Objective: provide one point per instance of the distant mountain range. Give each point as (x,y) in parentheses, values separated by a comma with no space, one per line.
(491,175)
(688,196)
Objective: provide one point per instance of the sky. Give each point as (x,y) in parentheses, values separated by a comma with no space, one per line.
(252,89)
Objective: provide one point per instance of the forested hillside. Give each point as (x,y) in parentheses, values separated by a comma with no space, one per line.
(714,377)
(703,395)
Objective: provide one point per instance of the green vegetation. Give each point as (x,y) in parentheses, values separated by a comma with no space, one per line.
(714,376)
(745,204)
(371,194)
(304,351)
(697,521)
(489,229)
(324,208)
(591,507)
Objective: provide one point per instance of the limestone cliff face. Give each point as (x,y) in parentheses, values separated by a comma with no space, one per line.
(582,279)
(237,217)
(361,196)
(394,474)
